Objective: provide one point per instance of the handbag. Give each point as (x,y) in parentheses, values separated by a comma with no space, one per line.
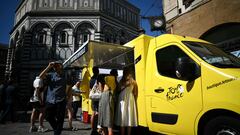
(95,93)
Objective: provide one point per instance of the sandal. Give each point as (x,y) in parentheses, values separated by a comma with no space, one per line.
(74,129)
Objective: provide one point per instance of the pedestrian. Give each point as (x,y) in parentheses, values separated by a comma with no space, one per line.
(9,95)
(106,104)
(77,99)
(3,86)
(95,103)
(116,91)
(57,84)
(70,110)
(114,73)
(38,106)
(126,114)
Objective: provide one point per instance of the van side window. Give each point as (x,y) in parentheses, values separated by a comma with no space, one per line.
(166,59)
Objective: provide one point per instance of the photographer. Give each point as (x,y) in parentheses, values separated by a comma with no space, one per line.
(57,86)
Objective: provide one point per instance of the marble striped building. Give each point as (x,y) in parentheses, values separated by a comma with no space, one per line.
(46,30)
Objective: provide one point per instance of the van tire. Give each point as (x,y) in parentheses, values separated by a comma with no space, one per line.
(222,125)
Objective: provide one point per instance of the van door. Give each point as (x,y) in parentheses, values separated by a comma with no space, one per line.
(172,103)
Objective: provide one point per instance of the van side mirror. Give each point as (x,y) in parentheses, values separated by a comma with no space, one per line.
(186,69)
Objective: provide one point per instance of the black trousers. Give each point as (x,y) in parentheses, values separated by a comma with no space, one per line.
(55,114)
(7,109)
(75,105)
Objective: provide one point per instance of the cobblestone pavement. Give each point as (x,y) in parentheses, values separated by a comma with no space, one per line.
(23,129)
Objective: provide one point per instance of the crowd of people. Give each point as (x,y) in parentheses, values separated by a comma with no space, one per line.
(117,104)
(113,108)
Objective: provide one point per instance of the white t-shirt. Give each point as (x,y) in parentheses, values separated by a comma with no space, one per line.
(75,98)
(37,83)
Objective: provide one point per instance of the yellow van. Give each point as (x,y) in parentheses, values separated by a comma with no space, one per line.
(187,86)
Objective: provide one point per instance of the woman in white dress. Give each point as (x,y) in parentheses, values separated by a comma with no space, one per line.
(126,113)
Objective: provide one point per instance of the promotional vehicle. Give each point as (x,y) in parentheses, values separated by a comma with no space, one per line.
(186,86)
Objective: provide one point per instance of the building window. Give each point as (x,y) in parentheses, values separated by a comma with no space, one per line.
(85,37)
(45,3)
(187,3)
(85,4)
(112,8)
(65,3)
(63,37)
(41,37)
(115,10)
(118,11)
(109,5)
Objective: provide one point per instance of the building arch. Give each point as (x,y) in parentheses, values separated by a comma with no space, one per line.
(222,32)
(63,28)
(23,30)
(84,31)
(41,37)
(123,36)
(46,24)
(85,22)
(226,36)
(63,48)
(41,34)
(11,42)
(62,23)
(109,34)
(16,38)
(21,36)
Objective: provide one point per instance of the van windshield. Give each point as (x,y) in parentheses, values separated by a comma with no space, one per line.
(213,55)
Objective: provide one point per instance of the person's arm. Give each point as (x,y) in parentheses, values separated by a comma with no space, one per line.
(44,72)
(135,89)
(69,92)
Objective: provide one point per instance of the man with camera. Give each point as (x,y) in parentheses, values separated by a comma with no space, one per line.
(57,85)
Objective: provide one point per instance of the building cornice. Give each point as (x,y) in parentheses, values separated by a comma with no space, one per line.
(68,14)
(19,5)
(129,4)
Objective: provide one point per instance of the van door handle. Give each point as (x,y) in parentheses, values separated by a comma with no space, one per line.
(159,90)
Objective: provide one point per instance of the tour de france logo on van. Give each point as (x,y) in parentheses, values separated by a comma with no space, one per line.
(175,92)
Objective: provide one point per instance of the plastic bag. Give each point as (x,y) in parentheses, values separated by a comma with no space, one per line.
(95,93)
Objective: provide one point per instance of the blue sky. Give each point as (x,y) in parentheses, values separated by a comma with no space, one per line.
(8,7)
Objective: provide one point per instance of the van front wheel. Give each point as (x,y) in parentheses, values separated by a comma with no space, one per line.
(222,125)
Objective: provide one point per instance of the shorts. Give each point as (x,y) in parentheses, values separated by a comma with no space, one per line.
(95,106)
(37,105)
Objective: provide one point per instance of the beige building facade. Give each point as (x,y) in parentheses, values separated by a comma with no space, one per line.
(217,21)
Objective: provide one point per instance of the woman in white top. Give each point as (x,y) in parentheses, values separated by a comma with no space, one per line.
(76,99)
(126,112)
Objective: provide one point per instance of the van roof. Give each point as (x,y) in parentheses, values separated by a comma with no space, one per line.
(101,54)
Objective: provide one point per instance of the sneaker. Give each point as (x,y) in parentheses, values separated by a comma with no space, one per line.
(42,129)
(32,129)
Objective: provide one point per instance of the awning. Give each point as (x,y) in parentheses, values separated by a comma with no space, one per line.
(101,54)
